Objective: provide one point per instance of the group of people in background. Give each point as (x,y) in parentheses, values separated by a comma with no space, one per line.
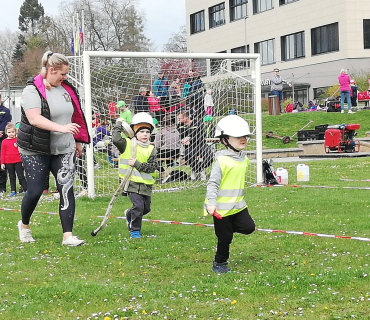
(168,97)
(179,118)
(347,87)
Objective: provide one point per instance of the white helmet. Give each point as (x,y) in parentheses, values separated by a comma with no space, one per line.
(140,120)
(232,126)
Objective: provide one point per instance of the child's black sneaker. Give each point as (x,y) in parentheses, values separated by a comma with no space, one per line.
(220,267)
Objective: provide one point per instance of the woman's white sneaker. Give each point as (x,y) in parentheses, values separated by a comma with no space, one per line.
(72,241)
(24,234)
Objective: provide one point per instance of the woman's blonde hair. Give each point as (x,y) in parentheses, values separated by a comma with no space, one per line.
(55,60)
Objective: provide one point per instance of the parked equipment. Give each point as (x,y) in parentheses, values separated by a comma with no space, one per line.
(270,134)
(332,105)
(339,138)
(269,175)
(305,126)
(317,134)
(286,139)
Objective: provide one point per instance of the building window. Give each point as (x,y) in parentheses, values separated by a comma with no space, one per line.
(366,33)
(292,46)
(325,39)
(299,95)
(282,2)
(238,9)
(238,65)
(266,50)
(262,5)
(197,22)
(216,15)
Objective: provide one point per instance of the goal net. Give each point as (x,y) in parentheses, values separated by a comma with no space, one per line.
(186,107)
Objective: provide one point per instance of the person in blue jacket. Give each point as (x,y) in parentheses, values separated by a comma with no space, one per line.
(160,90)
(160,86)
(5,117)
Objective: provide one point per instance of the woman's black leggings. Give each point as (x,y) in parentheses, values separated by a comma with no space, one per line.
(38,168)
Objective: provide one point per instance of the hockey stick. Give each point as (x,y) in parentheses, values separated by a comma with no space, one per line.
(121,187)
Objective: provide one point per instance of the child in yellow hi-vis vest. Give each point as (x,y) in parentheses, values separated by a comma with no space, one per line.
(225,188)
(143,165)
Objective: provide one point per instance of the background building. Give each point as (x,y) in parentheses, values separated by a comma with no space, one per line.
(310,41)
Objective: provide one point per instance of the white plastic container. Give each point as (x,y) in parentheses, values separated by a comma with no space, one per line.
(282,175)
(303,172)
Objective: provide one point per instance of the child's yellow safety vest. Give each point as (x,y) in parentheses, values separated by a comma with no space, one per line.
(142,155)
(230,196)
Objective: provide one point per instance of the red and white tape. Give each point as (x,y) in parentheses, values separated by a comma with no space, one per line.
(301,233)
(17,210)
(365,180)
(306,186)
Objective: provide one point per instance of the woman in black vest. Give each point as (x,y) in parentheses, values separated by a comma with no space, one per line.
(52,129)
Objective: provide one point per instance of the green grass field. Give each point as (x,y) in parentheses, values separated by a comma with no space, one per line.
(166,274)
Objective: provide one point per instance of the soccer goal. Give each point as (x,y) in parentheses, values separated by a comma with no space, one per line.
(184,134)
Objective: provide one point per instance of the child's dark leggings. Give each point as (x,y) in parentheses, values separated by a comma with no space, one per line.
(38,168)
(13,169)
(140,207)
(225,228)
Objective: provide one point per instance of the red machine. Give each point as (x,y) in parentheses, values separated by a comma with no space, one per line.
(340,138)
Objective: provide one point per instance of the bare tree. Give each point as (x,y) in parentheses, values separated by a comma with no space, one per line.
(8,41)
(109,24)
(177,42)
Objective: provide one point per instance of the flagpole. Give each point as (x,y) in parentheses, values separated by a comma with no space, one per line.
(77,44)
(81,43)
(83,28)
(77,36)
(74,40)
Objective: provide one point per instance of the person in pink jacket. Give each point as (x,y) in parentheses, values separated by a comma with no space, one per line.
(345,89)
(155,107)
(50,136)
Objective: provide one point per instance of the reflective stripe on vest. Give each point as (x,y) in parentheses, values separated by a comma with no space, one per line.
(230,196)
(142,155)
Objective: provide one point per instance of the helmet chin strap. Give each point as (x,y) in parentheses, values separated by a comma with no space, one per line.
(228,145)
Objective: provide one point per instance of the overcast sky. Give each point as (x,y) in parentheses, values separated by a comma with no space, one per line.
(164,17)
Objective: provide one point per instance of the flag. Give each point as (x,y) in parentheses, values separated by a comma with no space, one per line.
(81,36)
(72,43)
(77,41)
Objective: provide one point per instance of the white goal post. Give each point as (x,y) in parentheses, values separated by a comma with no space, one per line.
(235,80)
